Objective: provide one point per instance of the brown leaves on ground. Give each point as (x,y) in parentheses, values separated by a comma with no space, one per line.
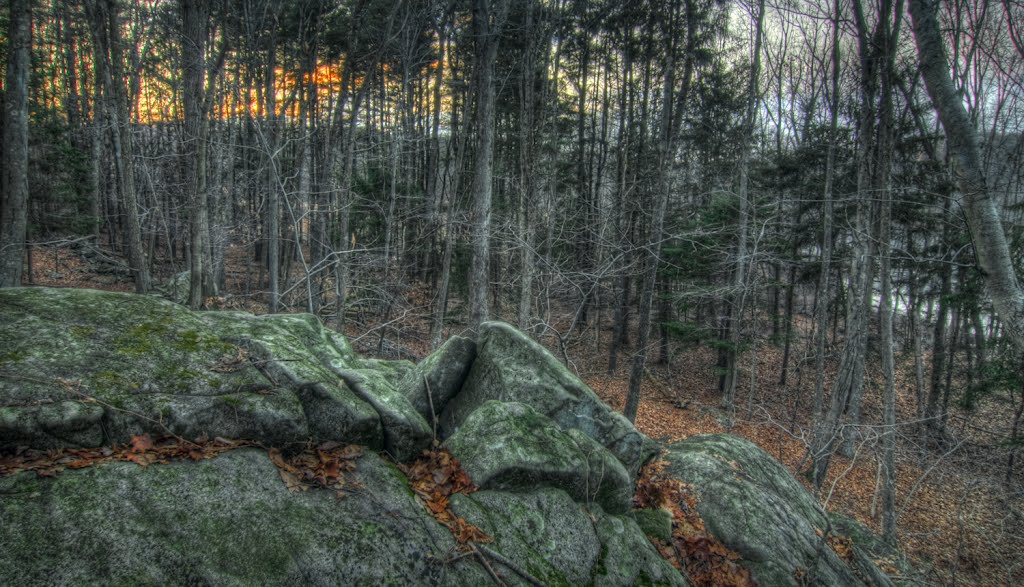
(841,545)
(704,559)
(435,476)
(141,450)
(324,466)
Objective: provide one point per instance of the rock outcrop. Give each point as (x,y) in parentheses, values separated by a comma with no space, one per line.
(511,367)
(753,505)
(555,465)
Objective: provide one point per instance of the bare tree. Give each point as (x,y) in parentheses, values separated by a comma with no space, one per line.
(822,303)
(663,185)
(194,21)
(14,177)
(990,244)
(739,284)
(874,48)
(116,101)
(488,21)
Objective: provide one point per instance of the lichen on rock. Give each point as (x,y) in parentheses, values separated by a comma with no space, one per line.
(511,367)
(509,445)
(754,506)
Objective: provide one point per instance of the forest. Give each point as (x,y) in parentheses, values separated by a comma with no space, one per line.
(798,220)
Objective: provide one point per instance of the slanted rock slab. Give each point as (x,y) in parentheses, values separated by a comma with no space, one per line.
(508,445)
(439,377)
(406,433)
(511,367)
(752,503)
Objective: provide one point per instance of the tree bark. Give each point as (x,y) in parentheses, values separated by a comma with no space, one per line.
(116,104)
(663,187)
(14,177)
(885,40)
(888,371)
(194,20)
(940,346)
(488,20)
(821,317)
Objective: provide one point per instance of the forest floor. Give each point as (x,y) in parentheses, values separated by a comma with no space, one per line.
(958,521)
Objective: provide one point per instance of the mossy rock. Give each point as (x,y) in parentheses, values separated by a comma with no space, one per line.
(508,445)
(85,368)
(561,542)
(511,367)
(628,557)
(439,377)
(225,521)
(406,433)
(750,502)
(655,522)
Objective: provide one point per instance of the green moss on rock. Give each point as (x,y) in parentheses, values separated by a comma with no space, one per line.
(508,445)
(511,367)
(154,366)
(751,502)
(655,522)
(227,521)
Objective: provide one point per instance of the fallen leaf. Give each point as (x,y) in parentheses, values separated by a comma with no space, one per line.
(141,443)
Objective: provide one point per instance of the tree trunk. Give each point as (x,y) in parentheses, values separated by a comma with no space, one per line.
(450,187)
(194,20)
(788,335)
(940,347)
(849,384)
(739,284)
(116,104)
(885,310)
(14,175)
(980,207)
(528,159)
(886,35)
(488,20)
(821,317)
(270,134)
(663,188)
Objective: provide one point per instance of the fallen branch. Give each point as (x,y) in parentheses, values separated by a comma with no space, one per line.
(490,571)
(509,565)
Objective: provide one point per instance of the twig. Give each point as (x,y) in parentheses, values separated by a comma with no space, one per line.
(433,412)
(920,480)
(490,571)
(457,557)
(91,399)
(510,565)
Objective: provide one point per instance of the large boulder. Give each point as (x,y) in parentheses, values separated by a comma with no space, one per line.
(85,368)
(508,445)
(511,367)
(752,503)
(560,542)
(225,521)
